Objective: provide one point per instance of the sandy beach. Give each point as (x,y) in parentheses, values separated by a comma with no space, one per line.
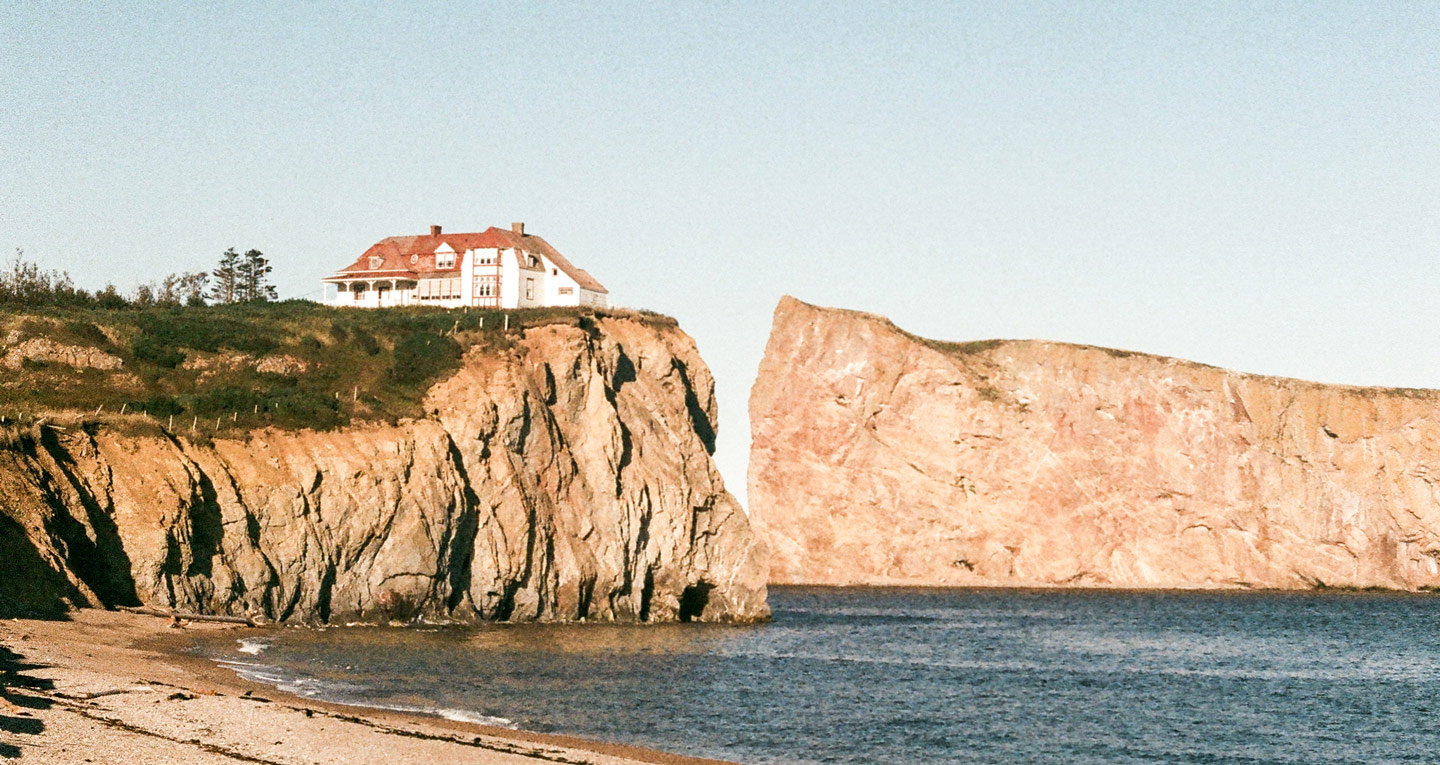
(113,687)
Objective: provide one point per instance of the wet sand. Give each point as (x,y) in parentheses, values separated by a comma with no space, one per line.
(114,687)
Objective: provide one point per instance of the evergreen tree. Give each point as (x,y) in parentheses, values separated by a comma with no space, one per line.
(254,278)
(227,278)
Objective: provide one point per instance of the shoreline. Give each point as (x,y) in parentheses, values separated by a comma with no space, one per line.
(105,686)
(1081,587)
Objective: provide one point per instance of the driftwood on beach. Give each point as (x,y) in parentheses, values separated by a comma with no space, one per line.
(177,616)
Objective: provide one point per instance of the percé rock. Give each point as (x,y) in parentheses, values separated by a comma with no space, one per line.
(567,478)
(882,458)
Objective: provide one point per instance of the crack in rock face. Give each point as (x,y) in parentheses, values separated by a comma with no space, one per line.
(879,457)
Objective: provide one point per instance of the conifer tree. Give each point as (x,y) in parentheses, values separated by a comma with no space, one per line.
(254,278)
(227,278)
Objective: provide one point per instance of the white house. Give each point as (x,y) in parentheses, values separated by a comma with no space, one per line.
(492,269)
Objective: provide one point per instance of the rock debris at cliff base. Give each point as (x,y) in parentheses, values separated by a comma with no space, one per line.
(882,458)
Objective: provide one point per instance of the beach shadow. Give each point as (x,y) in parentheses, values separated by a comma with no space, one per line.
(17,704)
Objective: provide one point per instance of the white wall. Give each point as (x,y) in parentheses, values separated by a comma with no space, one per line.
(555,280)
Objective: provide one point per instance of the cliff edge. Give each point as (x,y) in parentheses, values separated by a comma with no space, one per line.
(564,475)
(882,458)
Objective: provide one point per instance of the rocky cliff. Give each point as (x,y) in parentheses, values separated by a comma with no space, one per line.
(883,458)
(565,477)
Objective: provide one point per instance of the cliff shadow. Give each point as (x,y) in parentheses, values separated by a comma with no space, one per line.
(29,586)
(207,528)
(462,544)
(18,702)
(102,563)
(699,419)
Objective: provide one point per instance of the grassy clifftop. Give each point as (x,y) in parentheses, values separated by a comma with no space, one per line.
(291,365)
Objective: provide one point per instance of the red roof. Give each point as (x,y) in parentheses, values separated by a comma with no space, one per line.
(396,254)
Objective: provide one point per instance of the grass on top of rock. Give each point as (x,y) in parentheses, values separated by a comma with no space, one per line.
(230,368)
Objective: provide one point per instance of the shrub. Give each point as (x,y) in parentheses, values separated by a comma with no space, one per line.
(423,356)
(365,341)
(156,352)
(195,329)
(226,400)
(86,332)
(305,408)
(159,405)
(285,404)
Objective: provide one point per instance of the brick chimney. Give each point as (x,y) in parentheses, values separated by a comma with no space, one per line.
(434,231)
(518,228)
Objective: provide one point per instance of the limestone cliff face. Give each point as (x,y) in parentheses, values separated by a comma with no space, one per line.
(566,478)
(879,457)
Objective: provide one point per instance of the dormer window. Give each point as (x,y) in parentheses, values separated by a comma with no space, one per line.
(375,262)
(445,260)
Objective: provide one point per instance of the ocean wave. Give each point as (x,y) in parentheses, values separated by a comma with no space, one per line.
(454,715)
(253,646)
(351,694)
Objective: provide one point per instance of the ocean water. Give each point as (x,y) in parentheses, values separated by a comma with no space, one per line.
(871,675)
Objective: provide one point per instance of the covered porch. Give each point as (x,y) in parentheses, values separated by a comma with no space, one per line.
(370,293)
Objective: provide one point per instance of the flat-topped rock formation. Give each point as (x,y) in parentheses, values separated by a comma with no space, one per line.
(882,458)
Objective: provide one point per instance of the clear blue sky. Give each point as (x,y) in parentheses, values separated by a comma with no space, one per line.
(1254,185)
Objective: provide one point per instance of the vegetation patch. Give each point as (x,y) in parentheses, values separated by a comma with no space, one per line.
(422,356)
(194,368)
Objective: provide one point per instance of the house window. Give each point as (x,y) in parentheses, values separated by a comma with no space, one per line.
(445,260)
(484,258)
(529,289)
(554,272)
(485,286)
(567,290)
(375,262)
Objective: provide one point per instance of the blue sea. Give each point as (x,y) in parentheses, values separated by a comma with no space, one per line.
(882,675)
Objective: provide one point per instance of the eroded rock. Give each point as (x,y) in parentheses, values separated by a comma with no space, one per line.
(563,479)
(44,350)
(880,457)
